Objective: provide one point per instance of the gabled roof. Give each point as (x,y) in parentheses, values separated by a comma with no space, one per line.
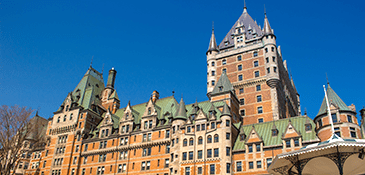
(333,98)
(223,85)
(264,130)
(245,20)
(291,132)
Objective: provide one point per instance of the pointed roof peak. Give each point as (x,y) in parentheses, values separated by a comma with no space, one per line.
(334,99)
(244,7)
(212,43)
(267,27)
(181,113)
(226,110)
(223,85)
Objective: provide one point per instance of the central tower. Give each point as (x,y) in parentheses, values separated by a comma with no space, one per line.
(249,56)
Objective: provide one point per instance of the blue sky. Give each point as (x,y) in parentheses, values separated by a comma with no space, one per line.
(47,46)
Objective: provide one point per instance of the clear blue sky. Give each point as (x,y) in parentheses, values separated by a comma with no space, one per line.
(47,46)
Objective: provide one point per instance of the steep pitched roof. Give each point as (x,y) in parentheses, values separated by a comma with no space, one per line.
(333,98)
(264,130)
(212,43)
(223,85)
(114,95)
(267,27)
(181,113)
(245,20)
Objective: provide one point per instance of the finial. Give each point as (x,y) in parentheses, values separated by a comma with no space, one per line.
(327,79)
(212,25)
(91,63)
(264,10)
(181,95)
(102,69)
(244,6)
(305,111)
(173,92)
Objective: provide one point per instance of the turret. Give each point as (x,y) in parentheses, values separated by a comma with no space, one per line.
(211,62)
(111,78)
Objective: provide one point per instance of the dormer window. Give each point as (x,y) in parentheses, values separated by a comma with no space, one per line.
(149,111)
(127,115)
(308,127)
(274,132)
(242,137)
(220,88)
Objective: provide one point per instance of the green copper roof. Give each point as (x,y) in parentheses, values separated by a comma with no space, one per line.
(114,95)
(181,113)
(223,85)
(264,130)
(226,110)
(333,98)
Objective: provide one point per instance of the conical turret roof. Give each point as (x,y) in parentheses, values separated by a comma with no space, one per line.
(212,43)
(226,110)
(181,112)
(267,28)
(223,85)
(333,98)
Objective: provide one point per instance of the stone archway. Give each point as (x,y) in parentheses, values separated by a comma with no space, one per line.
(353,165)
(320,165)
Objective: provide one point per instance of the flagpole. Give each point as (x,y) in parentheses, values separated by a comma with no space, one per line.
(329,110)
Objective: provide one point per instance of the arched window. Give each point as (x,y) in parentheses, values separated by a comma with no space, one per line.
(216,138)
(70,116)
(213,63)
(67,108)
(64,118)
(191,141)
(200,140)
(209,139)
(185,142)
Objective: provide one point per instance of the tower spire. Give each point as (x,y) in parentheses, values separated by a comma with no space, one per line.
(212,44)
(244,6)
(267,28)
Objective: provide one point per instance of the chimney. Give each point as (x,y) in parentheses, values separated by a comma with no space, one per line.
(155,96)
(111,78)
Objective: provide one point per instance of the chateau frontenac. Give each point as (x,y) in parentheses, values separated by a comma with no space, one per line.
(252,113)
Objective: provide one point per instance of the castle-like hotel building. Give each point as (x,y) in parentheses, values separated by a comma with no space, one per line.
(253,114)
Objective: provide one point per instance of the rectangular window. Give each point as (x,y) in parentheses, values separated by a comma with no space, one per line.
(228,151)
(240,77)
(188,129)
(167,133)
(212,169)
(258,87)
(228,135)
(250,165)
(242,101)
(200,170)
(258,147)
(149,136)
(349,118)
(257,73)
(353,134)
(209,153)
(287,143)
(239,58)
(167,163)
(241,91)
(203,127)
(239,67)
(197,127)
(216,152)
(258,164)
(260,120)
(259,110)
(228,122)
(228,167)
(239,166)
(150,124)
(259,98)
(191,155)
(212,125)
(296,142)
(200,154)
(256,63)
(334,118)
(143,167)
(319,123)
(187,170)
(148,165)
(250,148)
(268,162)
(243,112)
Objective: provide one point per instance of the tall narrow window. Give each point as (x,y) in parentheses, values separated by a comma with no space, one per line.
(212,169)
(239,166)
(239,58)
(258,98)
(258,87)
(257,73)
(255,54)
(242,101)
(256,63)
(259,110)
(349,118)
(240,77)
(239,67)
(334,118)
(224,62)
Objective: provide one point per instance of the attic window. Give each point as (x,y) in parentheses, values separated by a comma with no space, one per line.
(274,132)
(242,137)
(308,127)
(220,88)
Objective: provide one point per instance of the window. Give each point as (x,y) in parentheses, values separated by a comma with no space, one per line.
(224,62)
(242,101)
(209,140)
(275,69)
(268,162)
(272,49)
(258,147)
(143,167)
(213,82)
(200,170)
(228,122)
(228,151)
(200,154)
(213,63)
(224,70)
(334,118)
(260,120)
(228,168)
(250,148)
(287,143)
(212,169)
(319,123)
(216,138)
(83,171)
(75,160)
(216,152)
(240,77)
(78,147)
(258,87)
(149,137)
(184,156)
(353,133)
(259,110)
(191,155)
(239,166)
(167,133)
(167,163)
(296,142)
(200,140)
(239,67)
(228,136)
(187,170)
(213,73)
(259,98)
(273,59)
(258,164)
(241,91)
(255,54)
(203,127)
(349,118)
(242,112)
(268,70)
(64,118)
(185,142)
(257,73)
(212,125)
(338,132)
(167,148)
(267,60)
(209,153)
(256,63)
(239,58)
(308,127)
(250,165)
(191,141)
(150,124)
(85,160)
